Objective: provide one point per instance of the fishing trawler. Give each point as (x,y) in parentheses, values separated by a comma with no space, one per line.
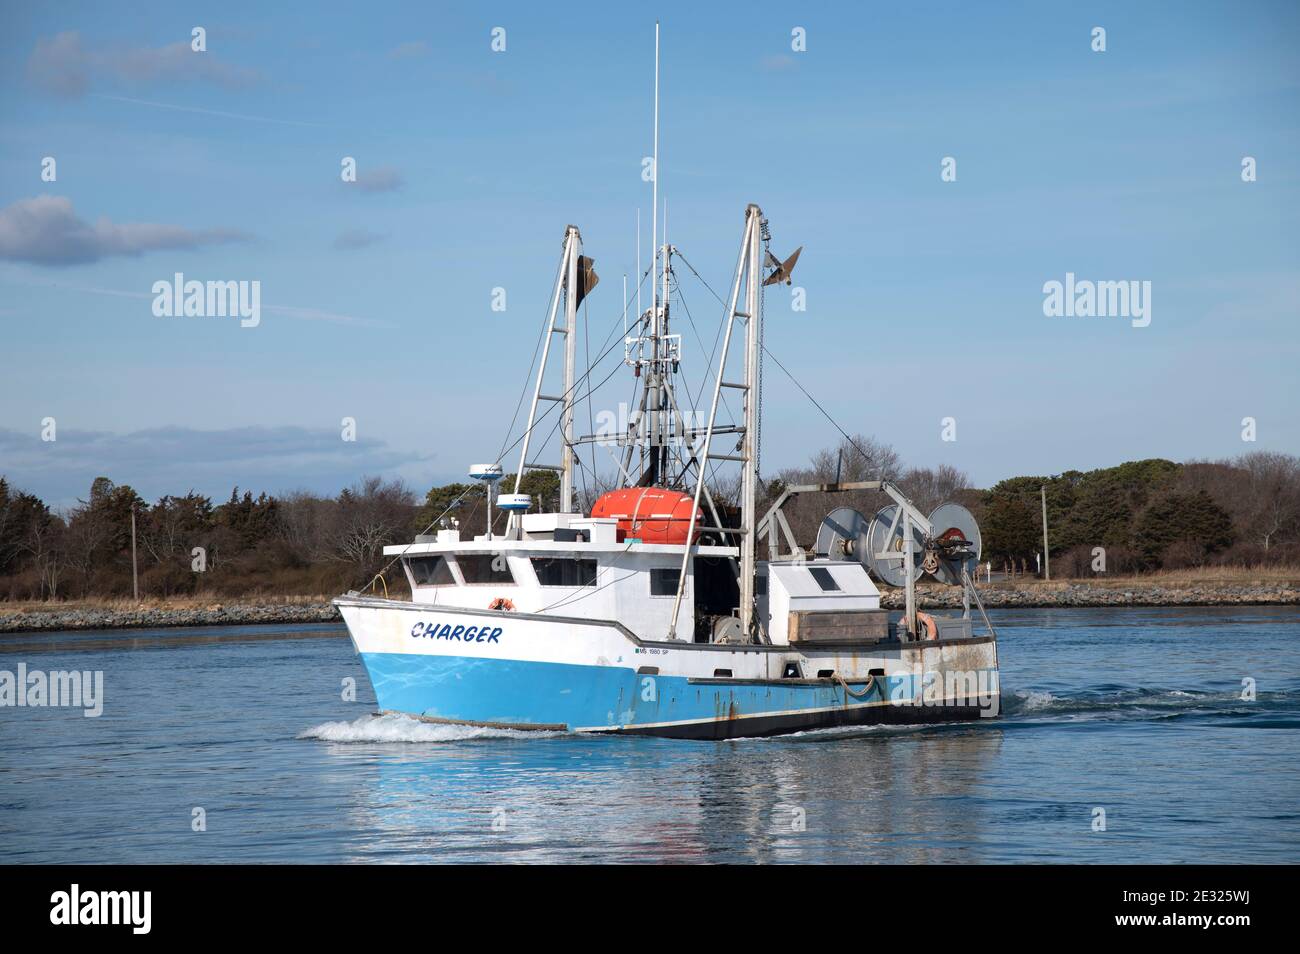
(654,612)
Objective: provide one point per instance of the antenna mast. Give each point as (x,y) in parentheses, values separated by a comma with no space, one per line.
(638,266)
(653,352)
(654,186)
(653,384)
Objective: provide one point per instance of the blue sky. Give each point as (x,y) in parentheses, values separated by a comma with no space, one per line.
(924,297)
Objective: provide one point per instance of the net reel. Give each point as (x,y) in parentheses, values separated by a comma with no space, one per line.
(843,535)
(953,545)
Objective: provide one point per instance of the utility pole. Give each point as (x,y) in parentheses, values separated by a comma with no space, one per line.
(135,576)
(1047,557)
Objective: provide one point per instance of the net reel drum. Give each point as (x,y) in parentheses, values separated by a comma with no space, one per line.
(953,545)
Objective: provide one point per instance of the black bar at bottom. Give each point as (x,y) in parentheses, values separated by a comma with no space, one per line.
(954,904)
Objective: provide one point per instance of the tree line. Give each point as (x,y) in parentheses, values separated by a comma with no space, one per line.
(1137,517)
(1141,515)
(295,543)
(1151,514)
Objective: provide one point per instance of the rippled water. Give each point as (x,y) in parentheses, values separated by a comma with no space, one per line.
(1136,712)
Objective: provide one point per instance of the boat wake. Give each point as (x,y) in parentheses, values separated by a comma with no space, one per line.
(394,727)
(1146,704)
(1102,703)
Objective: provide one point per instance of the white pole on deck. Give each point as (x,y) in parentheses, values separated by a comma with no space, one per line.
(662,377)
(570,363)
(751,225)
(749,472)
(570,237)
(909,581)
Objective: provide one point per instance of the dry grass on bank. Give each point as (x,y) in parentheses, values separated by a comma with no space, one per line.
(1192,576)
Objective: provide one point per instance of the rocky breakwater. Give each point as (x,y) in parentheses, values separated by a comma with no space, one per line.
(55,617)
(1127,593)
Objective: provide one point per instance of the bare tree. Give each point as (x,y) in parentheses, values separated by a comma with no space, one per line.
(87,538)
(174,524)
(857,457)
(369,515)
(1260,491)
(1272,496)
(307,525)
(854,458)
(929,488)
(44,543)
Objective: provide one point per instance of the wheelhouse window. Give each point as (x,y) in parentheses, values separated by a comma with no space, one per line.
(824,578)
(430,570)
(564,571)
(484,568)
(663,580)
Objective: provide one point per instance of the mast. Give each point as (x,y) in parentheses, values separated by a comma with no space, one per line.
(654,352)
(749,465)
(654,389)
(570,360)
(667,399)
(654,187)
(749,270)
(566,281)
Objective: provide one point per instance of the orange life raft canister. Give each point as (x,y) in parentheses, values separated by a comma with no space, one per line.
(650,514)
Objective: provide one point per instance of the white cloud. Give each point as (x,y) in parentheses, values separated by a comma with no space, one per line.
(288,311)
(224,114)
(174,460)
(67,66)
(46,231)
(777,64)
(379,179)
(408,50)
(350,240)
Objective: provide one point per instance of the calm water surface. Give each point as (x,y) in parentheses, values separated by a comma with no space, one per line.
(1137,712)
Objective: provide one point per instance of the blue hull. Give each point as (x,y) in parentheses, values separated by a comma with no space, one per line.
(537,695)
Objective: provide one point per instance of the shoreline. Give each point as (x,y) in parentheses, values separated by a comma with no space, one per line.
(48,617)
(1089,594)
(54,617)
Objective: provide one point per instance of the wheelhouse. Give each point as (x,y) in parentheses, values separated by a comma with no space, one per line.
(632,582)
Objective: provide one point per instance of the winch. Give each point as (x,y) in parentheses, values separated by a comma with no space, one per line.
(952,545)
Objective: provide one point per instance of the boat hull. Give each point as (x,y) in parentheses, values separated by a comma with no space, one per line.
(529,672)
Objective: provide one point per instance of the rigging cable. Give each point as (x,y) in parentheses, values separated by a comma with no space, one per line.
(713,472)
(704,380)
(586,352)
(523,391)
(777,361)
(507,448)
(762,311)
